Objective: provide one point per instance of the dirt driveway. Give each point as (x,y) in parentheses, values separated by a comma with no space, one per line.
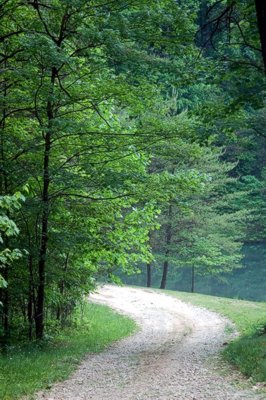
(171,357)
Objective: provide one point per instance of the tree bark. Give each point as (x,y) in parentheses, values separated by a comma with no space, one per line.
(61,287)
(4,191)
(203,39)
(30,298)
(165,272)
(168,238)
(39,317)
(149,275)
(261,18)
(192,279)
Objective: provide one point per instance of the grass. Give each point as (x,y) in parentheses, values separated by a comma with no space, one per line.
(248,351)
(28,368)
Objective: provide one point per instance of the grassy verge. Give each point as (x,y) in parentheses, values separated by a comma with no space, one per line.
(248,352)
(26,369)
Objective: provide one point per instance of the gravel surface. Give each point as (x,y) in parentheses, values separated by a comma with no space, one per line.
(171,357)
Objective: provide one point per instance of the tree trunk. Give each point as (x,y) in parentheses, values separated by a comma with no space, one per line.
(39,317)
(261,18)
(149,265)
(203,38)
(5,306)
(192,279)
(30,298)
(168,238)
(30,315)
(4,191)
(61,286)
(165,271)
(149,275)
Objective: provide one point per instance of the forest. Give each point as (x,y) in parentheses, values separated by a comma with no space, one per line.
(132,148)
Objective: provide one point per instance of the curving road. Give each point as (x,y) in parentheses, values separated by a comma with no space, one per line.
(171,357)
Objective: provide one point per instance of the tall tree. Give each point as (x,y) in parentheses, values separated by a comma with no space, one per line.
(73,133)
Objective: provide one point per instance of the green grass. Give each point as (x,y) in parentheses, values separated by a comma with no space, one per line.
(248,352)
(26,369)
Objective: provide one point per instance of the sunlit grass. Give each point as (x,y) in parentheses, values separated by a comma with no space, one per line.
(26,369)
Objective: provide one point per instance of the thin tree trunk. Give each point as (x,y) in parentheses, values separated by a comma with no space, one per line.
(30,298)
(149,264)
(4,191)
(30,315)
(165,272)
(168,239)
(192,279)
(149,275)
(204,36)
(261,18)
(6,306)
(39,317)
(61,291)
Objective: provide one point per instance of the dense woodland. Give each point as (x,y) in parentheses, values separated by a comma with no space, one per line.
(132,134)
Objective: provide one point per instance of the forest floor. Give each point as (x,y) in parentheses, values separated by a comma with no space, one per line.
(174,355)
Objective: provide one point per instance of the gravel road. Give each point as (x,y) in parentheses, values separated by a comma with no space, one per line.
(171,357)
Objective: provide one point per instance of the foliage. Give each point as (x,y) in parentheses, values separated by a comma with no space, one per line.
(125,124)
(71,131)
(201,224)
(8,228)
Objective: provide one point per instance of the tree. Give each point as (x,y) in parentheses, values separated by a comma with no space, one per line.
(235,27)
(72,132)
(198,227)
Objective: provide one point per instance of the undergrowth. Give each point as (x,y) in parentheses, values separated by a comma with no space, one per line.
(25,369)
